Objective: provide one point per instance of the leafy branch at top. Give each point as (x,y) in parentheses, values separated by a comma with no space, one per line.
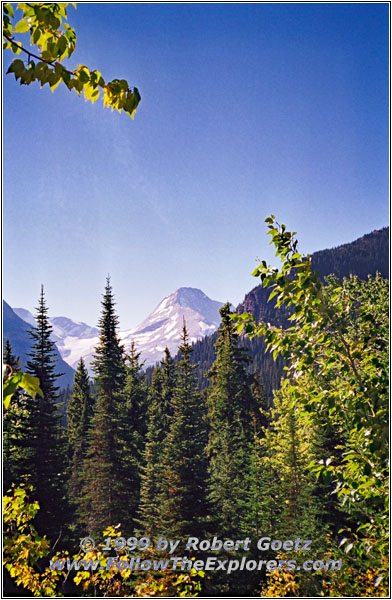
(55,41)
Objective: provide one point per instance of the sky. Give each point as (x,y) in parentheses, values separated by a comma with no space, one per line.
(247,109)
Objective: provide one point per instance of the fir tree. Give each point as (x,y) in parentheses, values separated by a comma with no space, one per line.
(159,414)
(43,458)
(79,416)
(183,500)
(232,411)
(9,358)
(132,433)
(255,514)
(168,382)
(103,492)
(151,475)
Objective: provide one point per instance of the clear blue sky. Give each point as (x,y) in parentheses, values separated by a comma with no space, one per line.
(246,109)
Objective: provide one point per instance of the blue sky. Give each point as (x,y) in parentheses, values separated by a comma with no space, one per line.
(246,109)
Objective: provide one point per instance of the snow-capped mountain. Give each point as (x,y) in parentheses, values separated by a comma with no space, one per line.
(162,328)
(164,325)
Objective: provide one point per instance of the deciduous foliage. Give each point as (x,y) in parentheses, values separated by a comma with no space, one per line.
(337,352)
(24,547)
(48,31)
(14,379)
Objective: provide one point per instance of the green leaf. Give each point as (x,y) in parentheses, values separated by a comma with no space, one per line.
(17,66)
(61,46)
(7,8)
(23,380)
(22,27)
(31,385)
(16,49)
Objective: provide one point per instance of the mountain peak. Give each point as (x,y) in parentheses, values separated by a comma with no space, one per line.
(188,296)
(163,327)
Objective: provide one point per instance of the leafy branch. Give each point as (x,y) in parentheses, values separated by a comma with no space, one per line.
(56,40)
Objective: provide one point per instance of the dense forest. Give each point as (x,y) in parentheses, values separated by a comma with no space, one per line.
(198,447)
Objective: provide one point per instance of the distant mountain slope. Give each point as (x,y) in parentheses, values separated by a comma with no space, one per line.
(16,330)
(365,256)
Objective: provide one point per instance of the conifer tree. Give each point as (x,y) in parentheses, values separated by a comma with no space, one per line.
(168,382)
(159,414)
(132,433)
(103,492)
(183,500)
(79,416)
(43,458)
(9,358)
(255,515)
(232,411)
(151,472)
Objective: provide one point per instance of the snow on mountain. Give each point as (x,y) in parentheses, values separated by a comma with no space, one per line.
(72,338)
(162,328)
(164,325)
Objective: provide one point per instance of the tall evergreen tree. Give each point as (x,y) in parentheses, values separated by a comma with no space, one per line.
(151,472)
(132,433)
(255,514)
(159,414)
(183,500)
(79,416)
(232,411)
(103,492)
(43,459)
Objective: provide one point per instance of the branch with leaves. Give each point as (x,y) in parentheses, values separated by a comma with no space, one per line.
(55,40)
(12,381)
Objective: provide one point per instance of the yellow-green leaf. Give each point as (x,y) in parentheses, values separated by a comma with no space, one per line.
(22,26)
